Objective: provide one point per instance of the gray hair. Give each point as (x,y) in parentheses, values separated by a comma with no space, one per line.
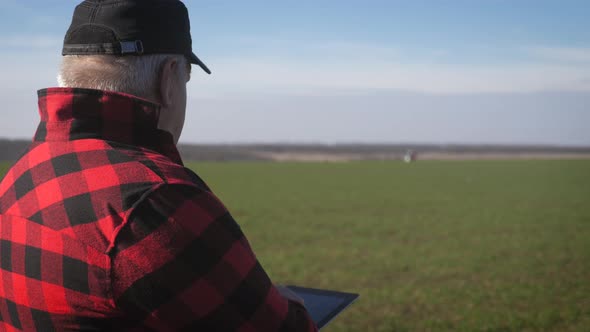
(136,75)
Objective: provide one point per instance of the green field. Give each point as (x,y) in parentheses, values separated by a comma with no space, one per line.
(431,246)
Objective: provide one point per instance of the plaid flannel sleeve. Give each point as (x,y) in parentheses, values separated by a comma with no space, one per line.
(182,263)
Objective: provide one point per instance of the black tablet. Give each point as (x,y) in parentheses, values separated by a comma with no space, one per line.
(323,305)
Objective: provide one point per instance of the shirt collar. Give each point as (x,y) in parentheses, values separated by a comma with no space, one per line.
(73,113)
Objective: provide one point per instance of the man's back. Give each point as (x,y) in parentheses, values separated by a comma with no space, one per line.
(102,228)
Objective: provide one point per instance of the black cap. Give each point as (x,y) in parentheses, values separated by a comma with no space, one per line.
(131,27)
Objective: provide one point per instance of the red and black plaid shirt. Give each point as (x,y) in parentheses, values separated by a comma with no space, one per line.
(103,229)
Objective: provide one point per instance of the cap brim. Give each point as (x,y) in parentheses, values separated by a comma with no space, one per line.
(194,59)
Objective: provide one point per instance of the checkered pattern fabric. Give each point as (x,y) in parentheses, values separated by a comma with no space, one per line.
(103,229)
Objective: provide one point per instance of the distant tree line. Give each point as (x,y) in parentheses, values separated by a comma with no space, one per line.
(11,150)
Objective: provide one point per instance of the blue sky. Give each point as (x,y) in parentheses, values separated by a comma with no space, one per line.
(485,71)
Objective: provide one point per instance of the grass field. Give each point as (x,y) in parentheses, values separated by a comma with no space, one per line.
(431,246)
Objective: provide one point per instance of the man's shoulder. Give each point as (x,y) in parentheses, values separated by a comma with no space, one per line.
(157,167)
(88,166)
(84,188)
(101,159)
(141,165)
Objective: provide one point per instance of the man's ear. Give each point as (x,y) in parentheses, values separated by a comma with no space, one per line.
(167,78)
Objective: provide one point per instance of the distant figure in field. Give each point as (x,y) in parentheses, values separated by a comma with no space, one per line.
(101,226)
(410,156)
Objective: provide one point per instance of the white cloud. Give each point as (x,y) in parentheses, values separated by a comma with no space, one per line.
(562,54)
(335,51)
(277,75)
(333,66)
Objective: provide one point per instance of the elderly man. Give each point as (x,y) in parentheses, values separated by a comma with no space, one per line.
(101,226)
